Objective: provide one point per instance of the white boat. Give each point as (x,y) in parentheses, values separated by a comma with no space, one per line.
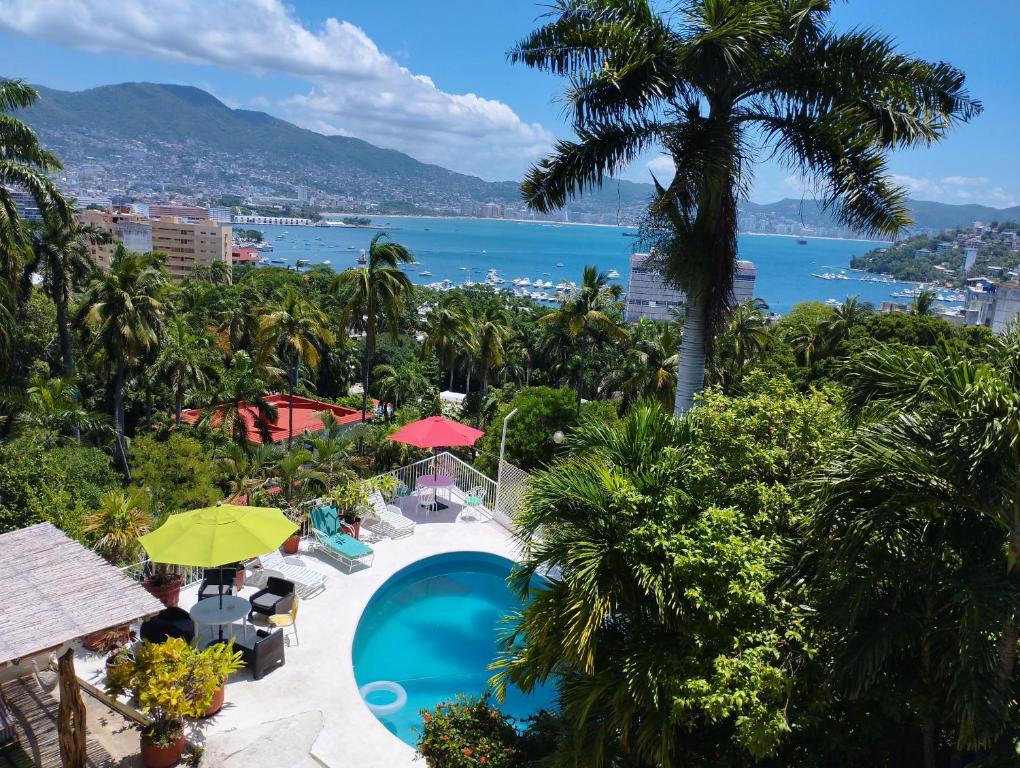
(425,273)
(522,281)
(560,264)
(613,274)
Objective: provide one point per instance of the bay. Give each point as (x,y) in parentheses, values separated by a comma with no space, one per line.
(459,249)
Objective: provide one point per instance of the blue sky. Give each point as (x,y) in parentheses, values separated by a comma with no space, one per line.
(431,78)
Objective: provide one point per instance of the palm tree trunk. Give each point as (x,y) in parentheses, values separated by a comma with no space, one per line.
(691,368)
(467,389)
(928,733)
(67,354)
(451,377)
(364,373)
(118,417)
(290,405)
(179,405)
(580,381)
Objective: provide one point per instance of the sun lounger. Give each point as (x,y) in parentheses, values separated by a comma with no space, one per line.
(390,521)
(344,548)
(307,581)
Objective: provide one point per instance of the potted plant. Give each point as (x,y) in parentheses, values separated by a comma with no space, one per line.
(170,681)
(386,485)
(349,495)
(163,582)
(293,542)
(217,662)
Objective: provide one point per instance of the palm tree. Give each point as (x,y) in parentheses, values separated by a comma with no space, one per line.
(623,625)
(238,322)
(808,340)
(239,396)
(328,449)
(23,164)
(400,384)
(243,467)
(292,471)
(297,329)
(60,251)
(490,332)
(845,317)
(713,86)
(449,332)
(115,526)
(924,303)
(121,315)
(185,361)
(373,296)
(587,313)
(52,406)
(651,363)
(918,516)
(747,326)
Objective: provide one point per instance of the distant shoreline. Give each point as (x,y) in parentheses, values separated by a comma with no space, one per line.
(579,224)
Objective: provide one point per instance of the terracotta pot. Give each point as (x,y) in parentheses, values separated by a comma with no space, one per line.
(356,528)
(168,593)
(239,580)
(290,546)
(162,757)
(217,702)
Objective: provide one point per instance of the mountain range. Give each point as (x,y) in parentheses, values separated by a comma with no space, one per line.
(147,140)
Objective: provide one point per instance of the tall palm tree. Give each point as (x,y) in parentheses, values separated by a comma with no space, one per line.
(449,331)
(747,326)
(373,296)
(651,363)
(23,164)
(52,406)
(808,340)
(586,313)
(923,502)
(292,470)
(243,468)
(239,396)
(295,329)
(852,312)
(185,361)
(121,314)
(236,320)
(490,332)
(60,251)
(715,86)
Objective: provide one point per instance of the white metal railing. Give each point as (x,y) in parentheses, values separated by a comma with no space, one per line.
(465,477)
(137,572)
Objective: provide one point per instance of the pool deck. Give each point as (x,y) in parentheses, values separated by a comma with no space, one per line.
(318,678)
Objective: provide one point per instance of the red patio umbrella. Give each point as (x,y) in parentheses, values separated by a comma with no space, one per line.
(436,432)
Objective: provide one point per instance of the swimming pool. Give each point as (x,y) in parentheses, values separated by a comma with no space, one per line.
(432,629)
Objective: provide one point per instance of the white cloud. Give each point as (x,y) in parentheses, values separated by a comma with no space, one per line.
(662,168)
(355,89)
(957,189)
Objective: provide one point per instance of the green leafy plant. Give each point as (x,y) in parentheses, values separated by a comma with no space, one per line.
(385,484)
(170,681)
(466,733)
(349,494)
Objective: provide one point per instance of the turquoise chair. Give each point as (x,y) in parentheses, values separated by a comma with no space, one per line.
(344,548)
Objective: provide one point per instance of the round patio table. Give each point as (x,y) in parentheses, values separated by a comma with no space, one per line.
(216,611)
(435,482)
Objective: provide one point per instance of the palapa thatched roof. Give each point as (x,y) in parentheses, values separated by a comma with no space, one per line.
(55,591)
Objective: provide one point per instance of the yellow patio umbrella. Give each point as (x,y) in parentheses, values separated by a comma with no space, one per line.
(213,536)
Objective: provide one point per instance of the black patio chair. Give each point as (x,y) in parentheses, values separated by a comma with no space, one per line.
(263,653)
(276,598)
(170,622)
(217,581)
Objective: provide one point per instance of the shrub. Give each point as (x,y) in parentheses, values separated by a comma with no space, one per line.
(467,733)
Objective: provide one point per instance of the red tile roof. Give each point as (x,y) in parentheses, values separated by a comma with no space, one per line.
(304,417)
(245,255)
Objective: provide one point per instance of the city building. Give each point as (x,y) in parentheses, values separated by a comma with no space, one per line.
(648,295)
(186,243)
(189,244)
(922,253)
(220,214)
(175,210)
(286,221)
(248,256)
(28,210)
(131,229)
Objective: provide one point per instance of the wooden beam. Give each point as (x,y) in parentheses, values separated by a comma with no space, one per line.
(71,717)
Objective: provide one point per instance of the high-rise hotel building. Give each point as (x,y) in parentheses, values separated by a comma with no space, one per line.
(649,296)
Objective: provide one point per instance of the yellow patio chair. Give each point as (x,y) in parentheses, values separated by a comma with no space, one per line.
(288,619)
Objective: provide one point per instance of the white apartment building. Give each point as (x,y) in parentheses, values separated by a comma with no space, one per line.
(648,295)
(285,221)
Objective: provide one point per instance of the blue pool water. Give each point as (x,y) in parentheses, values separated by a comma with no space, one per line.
(433,628)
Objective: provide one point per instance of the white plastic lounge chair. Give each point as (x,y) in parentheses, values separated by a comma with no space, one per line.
(307,581)
(344,548)
(389,520)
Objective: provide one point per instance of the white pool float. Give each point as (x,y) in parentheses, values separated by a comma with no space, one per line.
(399,697)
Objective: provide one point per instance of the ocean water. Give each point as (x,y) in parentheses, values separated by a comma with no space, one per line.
(463,249)
(433,628)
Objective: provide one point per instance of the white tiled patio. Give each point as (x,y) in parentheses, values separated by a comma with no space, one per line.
(309,712)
